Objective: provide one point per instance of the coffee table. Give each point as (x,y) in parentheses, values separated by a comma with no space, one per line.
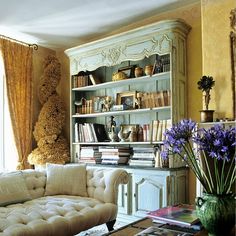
(138,226)
(132,228)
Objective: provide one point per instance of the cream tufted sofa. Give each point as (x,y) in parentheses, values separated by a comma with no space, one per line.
(63,215)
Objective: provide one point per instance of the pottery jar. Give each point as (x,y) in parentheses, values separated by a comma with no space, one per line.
(148,70)
(138,71)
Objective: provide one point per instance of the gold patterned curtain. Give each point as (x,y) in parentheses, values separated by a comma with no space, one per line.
(18,69)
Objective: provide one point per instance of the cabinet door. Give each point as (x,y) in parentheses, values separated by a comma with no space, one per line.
(124,198)
(149,193)
(177,184)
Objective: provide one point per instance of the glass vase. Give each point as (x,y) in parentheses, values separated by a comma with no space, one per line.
(216,213)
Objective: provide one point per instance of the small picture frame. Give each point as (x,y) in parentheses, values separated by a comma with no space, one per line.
(130,128)
(127,99)
(98,103)
(128,70)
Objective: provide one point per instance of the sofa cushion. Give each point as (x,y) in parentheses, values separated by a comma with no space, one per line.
(13,189)
(60,215)
(66,179)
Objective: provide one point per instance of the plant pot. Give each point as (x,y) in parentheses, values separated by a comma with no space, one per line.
(206,115)
(216,213)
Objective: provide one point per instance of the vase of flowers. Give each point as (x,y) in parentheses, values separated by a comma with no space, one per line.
(205,84)
(211,156)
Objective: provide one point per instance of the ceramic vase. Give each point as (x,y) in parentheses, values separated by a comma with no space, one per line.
(216,213)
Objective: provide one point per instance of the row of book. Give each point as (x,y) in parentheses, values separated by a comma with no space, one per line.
(156,99)
(90,133)
(94,132)
(104,155)
(82,80)
(162,64)
(136,156)
(84,106)
(155,131)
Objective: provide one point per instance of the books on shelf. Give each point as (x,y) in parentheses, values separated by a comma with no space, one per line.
(80,81)
(90,132)
(94,80)
(90,154)
(159,127)
(114,154)
(181,215)
(156,99)
(143,156)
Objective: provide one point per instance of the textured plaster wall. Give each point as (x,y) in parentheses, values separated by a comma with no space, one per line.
(216,53)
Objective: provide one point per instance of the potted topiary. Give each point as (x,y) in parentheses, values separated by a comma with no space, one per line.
(205,84)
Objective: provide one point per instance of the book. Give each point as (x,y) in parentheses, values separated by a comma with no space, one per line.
(182,215)
(155,230)
(159,131)
(94,80)
(113,149)
(100,132)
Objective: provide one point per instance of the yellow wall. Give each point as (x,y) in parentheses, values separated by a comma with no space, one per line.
(216,53)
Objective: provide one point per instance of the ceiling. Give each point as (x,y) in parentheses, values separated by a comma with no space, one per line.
(67,23)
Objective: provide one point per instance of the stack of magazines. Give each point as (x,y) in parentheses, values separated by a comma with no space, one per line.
(179,218)
(154,231)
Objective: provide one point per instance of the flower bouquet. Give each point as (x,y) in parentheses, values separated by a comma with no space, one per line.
(211,155)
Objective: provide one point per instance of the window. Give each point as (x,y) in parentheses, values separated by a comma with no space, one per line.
(8,152)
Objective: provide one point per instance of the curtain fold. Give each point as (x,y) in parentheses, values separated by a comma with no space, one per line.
(18,70)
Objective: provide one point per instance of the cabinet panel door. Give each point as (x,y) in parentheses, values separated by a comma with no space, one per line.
(149,193)
(124,198)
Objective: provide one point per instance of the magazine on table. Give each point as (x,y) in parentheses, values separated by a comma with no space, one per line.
(154,231)
(181,214)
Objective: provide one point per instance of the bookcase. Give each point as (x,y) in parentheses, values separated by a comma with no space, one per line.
(109,91)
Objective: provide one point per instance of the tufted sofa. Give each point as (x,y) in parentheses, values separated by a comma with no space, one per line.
(43,214)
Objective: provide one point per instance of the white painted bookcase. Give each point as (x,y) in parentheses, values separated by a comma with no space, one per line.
(149,188)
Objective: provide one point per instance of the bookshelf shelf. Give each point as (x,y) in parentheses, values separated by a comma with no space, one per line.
(125,112)
(130,81)
(117,143)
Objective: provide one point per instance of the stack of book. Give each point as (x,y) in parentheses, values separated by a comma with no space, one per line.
(90,154)
(181,215)
(114,155)
(143,156)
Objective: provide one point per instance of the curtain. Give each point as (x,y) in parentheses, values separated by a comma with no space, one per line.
(18,70)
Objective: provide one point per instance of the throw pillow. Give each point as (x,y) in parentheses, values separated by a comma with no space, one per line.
(13,189)
(66,179)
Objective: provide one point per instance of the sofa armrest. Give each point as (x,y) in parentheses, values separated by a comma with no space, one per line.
(102,184)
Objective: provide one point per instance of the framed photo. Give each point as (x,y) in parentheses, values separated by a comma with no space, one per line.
(98,103)
(127,99)
(130,128)
(128,70)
